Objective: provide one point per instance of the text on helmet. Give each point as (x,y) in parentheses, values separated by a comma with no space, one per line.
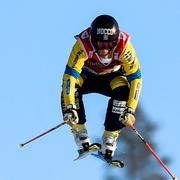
(105,31)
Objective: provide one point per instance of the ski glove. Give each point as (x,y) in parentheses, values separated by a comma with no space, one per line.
(70,115)
(128,117)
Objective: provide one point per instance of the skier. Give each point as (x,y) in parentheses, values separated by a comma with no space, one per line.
(102,61)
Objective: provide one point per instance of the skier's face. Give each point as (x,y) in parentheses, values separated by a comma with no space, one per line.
(103,52)
(104,48)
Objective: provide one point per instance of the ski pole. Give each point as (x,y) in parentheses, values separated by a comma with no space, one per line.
(52,129)
(151,150)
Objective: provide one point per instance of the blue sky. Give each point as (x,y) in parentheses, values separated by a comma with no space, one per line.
(36,38)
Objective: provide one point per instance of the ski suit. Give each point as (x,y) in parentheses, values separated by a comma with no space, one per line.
(118,78)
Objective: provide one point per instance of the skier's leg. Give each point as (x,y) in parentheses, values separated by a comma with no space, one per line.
(79,130)
(113,125)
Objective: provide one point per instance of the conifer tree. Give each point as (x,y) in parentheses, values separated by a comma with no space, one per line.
(140,164)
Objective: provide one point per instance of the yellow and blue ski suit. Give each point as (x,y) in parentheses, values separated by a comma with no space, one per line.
(120,79)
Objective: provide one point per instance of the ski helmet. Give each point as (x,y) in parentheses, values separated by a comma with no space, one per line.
(104,28)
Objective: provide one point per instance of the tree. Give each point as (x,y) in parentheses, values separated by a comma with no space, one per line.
(140,164)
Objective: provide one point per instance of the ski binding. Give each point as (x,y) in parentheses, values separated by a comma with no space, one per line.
(114,163)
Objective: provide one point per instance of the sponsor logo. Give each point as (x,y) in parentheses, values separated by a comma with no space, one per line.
(122,36)
(68,87)
(77,98)
(138,87)
(105,31)
(119,103)
(132,65)
(84,35)
(128,56)
(77,57)
(105,37)
(94,63)
(118,107)
(116,56)
(116,110)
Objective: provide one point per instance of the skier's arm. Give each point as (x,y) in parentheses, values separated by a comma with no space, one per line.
(133,74)
(72,72)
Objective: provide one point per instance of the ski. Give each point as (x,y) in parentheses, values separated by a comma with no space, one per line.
(92,149)
(114,163)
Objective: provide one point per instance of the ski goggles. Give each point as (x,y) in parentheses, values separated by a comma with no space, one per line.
(105,45)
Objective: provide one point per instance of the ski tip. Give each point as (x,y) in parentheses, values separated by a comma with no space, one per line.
(117,163)
(175,178)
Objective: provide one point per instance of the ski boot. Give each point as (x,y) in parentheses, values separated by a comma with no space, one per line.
(108,148)
(83,142)
(81,137)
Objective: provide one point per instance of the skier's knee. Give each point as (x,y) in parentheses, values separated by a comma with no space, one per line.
(121,93)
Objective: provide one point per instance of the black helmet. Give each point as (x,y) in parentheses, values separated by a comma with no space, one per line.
(104,28)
